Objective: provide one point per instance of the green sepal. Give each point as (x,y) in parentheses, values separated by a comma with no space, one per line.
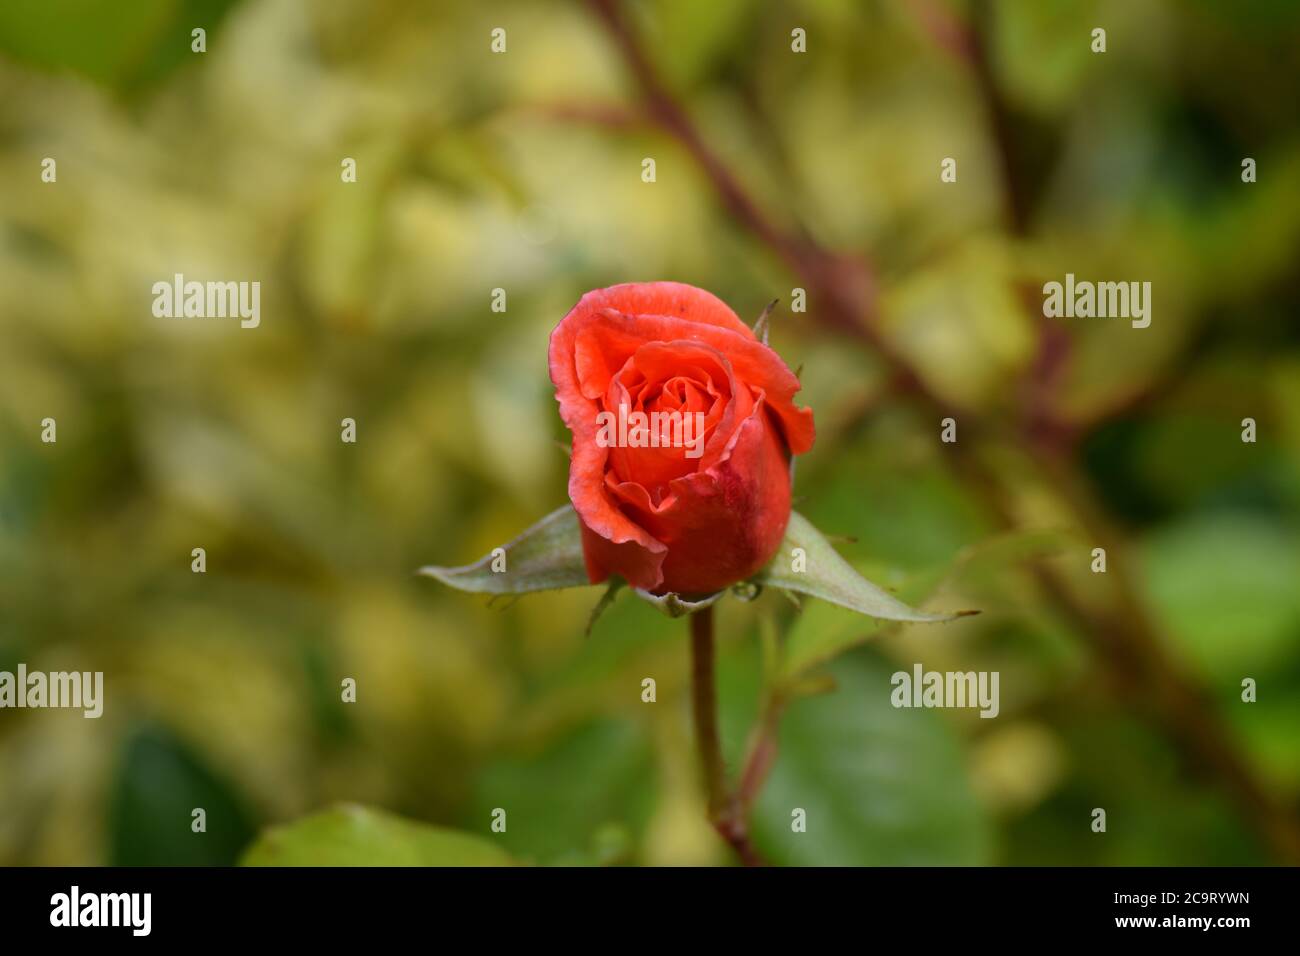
(828,576)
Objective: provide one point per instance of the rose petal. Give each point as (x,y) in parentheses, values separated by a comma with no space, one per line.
(722,525)
(604,341)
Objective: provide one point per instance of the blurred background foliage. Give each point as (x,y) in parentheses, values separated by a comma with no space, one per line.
(522,171)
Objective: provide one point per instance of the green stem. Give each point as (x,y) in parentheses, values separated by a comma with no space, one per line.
(726,811)
(704,700)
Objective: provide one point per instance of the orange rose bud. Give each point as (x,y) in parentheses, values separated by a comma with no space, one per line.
(683,427)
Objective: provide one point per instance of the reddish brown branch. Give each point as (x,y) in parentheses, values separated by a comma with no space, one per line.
(762,755)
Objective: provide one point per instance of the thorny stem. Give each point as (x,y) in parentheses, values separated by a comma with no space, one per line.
(1124,637)
(724,807)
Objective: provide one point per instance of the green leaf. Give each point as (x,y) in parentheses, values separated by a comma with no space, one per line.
(821,632)
(880,786)
(546,556)
(1225,586)
(125,46)
(575,797)
(831,578)
(159,782)
(352,835)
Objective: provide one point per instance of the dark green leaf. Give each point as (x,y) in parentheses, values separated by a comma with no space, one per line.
(160,782)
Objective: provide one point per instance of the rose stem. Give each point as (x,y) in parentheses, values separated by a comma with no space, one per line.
(725,811)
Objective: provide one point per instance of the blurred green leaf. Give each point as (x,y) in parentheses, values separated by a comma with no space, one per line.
(360,836)
(907,514)
(994,555)
(1225,585)
(548,555)
(820,633)
(880,786)
(124,45)
(568,802)
(160,782)
(697,35)
(1044,49)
